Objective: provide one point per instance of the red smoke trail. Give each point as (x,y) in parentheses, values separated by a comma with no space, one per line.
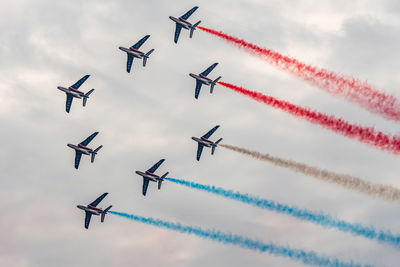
(364,134)
(352,89)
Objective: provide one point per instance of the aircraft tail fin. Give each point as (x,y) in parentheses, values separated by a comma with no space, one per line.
(213,84)
(194,28)
(86,96)
(103,214)
(215,145)
(146,56)
(95,152)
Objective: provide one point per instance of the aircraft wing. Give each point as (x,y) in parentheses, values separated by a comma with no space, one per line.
(189,13)
(199,150)
(209,69)
(155,166)
(98,200)
(178,29)
(129,62)
(210,132)
(145,185)
(197,91)
(90,138)
(141,41)
(78,156)
(68,103)
(88,216)
(80,82)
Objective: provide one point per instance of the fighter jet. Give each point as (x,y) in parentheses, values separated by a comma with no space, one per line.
(150,176)
(82,149)
(73,91)
(182,22)
(133,52)
(92,210)
(202,79)
(204,142)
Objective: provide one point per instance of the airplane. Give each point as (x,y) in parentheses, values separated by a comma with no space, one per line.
(182,22)
(204,142)
(73,91)
(150,176)
(92,210)
(133,52)
(82,148)
(202,79)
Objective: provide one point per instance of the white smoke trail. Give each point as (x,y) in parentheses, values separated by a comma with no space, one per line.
(386,192)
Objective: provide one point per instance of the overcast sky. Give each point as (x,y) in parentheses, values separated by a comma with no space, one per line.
(152,114)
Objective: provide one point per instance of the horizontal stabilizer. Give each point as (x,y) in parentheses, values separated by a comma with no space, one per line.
(97,149)
(194,28)
(94,153)
(214,146)
(213,84)
(103,214)
(86,96)
(146,56)
(159,184)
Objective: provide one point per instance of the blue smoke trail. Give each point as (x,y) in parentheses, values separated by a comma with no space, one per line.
(302,214)
(244,242)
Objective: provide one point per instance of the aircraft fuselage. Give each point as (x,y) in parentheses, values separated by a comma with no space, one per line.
(184,23)
(148,175)
(203,141)
(92,210)
(71,91)
(132,51)
(81,148)
(201,78)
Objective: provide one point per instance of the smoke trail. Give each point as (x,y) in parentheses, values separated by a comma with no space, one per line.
(387,192)
(302,214)
(366,135)
(348,87)
(244,242)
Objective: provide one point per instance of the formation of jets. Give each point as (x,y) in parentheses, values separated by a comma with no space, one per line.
(149,175)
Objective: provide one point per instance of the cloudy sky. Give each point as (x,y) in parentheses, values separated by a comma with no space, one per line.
(151,114)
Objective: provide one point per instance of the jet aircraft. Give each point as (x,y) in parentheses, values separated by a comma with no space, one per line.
(150,176)
(73,91)
(182,22)
(133,52)
(204,142)
(203,79)
(91,209)
(82,148)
